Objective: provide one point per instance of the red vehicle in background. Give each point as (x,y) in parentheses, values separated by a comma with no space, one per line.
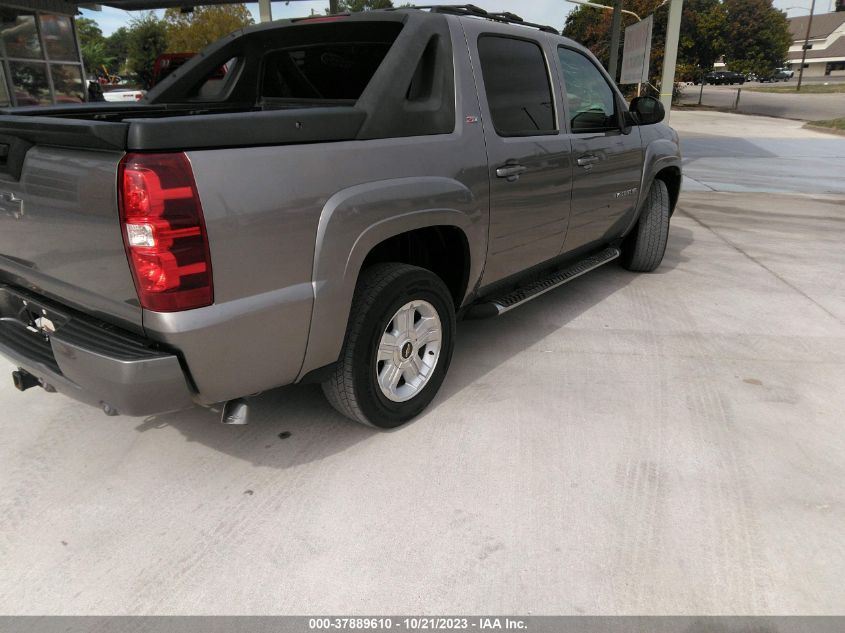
(166,64)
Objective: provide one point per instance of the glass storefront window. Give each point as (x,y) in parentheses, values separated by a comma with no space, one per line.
(67,83)
(4,91)
(19,34)
(57,33)
(29,81)
(40,56)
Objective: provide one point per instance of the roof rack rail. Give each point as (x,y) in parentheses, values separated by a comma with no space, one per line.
(474,11)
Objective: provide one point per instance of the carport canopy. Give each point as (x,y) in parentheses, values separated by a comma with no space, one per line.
(146,5)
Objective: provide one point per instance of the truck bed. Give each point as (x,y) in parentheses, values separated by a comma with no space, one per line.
(180,127)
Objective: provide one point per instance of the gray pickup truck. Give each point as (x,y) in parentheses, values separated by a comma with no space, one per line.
(319,200)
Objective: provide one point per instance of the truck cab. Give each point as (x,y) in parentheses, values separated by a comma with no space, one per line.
(323,212)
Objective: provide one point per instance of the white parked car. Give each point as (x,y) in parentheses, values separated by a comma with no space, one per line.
(123,96)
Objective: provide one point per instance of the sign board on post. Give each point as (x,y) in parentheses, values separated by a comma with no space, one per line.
(637,52)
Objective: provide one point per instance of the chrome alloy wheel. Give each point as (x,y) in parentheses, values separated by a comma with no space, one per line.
(408,351)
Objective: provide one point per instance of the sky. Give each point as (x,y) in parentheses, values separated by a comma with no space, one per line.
(552,12)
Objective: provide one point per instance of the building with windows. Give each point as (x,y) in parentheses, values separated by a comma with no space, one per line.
(827,39)
(41,61)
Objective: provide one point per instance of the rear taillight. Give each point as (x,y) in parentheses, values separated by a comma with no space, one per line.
(164,232)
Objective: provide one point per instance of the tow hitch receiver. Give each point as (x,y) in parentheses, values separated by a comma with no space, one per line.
(24,380)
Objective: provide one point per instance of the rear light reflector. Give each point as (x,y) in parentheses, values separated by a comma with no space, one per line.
(164,232)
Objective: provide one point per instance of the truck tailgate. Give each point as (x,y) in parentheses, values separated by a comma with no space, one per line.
(60,232)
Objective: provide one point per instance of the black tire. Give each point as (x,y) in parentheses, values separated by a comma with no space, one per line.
(382,289)
(643,249)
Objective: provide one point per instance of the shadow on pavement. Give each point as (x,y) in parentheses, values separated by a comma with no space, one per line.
(295,425)
(697,145)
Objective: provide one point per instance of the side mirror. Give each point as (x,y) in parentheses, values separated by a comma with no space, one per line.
(647,110)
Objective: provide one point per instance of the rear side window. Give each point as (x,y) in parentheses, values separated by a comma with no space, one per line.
(592,106)
(215,83)
(516,81)
(334,71)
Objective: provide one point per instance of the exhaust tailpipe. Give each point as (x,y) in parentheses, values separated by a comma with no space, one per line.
(235,412)
(24,380)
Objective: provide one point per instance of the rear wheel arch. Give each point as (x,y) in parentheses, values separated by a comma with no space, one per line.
(354,228)
(442,249)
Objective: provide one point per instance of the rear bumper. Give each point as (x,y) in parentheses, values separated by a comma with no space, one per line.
(88,361)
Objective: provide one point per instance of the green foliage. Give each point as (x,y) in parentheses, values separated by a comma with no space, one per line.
(92,44)
(806,89)
(756,36)
(750,33)
(590,27)
(362,5)
(147,39)
(117,50)
(189,32)
(835,124)
(702,34)
(88,30)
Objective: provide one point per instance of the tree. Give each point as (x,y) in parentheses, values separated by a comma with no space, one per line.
(193,31)
(117,50)
(591,28)
(756,36)
(362,5)
(751,34)
(702,27)
(700,40)
(840,5)
(92,44)
(147,39)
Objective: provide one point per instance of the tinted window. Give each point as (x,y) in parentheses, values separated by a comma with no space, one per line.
(216,82)
(517,86)
(323,71)
(592,106)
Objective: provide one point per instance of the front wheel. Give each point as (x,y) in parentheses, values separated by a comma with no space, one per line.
(398,346)
(643,249)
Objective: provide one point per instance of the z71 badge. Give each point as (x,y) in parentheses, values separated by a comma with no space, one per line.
(626,193)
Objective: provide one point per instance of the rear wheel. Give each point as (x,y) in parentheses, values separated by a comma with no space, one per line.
(643,249)
(398,346)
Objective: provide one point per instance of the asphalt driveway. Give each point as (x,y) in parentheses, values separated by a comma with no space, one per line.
(802,106)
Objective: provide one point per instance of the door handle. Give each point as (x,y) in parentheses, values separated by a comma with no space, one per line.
(588,160)
(511,171)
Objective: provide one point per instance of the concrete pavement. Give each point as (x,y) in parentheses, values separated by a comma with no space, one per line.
(657,444)
(733,152)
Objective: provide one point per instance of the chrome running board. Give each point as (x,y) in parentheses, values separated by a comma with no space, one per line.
(495,306)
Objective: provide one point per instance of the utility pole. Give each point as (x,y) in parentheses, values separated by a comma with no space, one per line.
(670,58)
(806,46)
(333,8)
(615,33)
(265,11)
